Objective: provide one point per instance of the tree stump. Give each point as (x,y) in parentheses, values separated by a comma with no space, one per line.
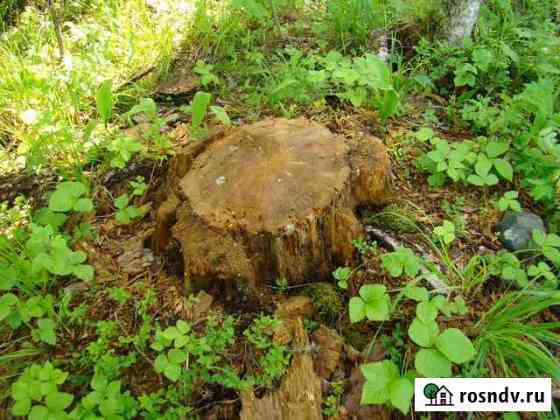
(271,200)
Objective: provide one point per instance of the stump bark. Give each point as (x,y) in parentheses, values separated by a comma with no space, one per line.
(275,199)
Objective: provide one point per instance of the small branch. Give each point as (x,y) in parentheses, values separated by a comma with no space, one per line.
(55,17)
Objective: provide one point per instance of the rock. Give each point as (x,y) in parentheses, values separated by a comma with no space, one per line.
(516,229)
(327,357)
(299,395)
(135,258)
(275,199)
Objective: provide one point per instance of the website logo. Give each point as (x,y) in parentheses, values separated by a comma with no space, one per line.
(439,396)
(483,394)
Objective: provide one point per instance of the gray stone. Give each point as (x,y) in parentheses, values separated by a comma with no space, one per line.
(516,229)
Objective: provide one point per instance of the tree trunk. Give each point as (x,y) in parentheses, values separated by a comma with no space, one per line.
(461,16)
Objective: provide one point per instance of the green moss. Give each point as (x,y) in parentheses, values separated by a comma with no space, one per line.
(395,219)
(327,301)
(357,339)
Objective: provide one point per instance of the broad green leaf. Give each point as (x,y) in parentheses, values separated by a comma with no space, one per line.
(58,401)
(483,166)
(431,363)
(83,272)
(424,134)
(104,100)
(496,148)
(47,331)
(504,169)
(401,392)
(371,292)
(378,310)
(122,201)
(99,381)
(172,371)
(357,309)
(454,344)
(199,107)
(419,294)
(21,407)
(83,205)
(373,394)
(426,311)
(176,356)
(221,114)
(39,412)
(423,334)
(380,373)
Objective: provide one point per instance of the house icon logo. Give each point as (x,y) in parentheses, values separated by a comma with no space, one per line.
(439,396)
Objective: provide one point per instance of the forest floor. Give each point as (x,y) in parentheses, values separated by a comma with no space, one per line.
(106,309)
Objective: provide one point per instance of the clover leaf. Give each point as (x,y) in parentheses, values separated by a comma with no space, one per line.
(68,196)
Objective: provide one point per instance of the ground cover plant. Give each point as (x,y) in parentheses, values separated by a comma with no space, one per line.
(456,275)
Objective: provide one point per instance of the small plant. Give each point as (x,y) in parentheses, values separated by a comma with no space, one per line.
(342,275)
(125,212)
(69,196)
(36,393)
(402,261)
(122,148)
(104,101)
(445,233)
(204,70)
(509,201)
(199,109)
(106,400)
(385,385)
(467,162)
(139,186)
(439,350)
(373,303)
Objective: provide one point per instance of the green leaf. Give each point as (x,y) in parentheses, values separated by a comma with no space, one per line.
(401,392)
(431,363)
(199,107)
(372,292)
(65,196)
(424,134)
(496,148)
(83,272)
(21,407)
(483,166)
(39,412)
(99,382)
(176,356)
(172,371)
(58,401)
(122,201)
(378,310)
(104,100)
(83,205)
(373,394)
(381,373)
(47,331)
(504,169)
(419,294)
(221,114)
(423,334)
(426,311)
(357,309)
(455,345)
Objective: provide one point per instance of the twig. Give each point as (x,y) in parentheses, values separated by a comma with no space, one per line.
(55,17)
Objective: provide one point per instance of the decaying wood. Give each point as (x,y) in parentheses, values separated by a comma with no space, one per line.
(275,199)
(299,395)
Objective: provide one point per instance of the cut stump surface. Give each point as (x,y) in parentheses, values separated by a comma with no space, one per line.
(275,199)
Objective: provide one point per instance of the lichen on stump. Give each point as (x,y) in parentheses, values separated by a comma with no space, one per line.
(275,199)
